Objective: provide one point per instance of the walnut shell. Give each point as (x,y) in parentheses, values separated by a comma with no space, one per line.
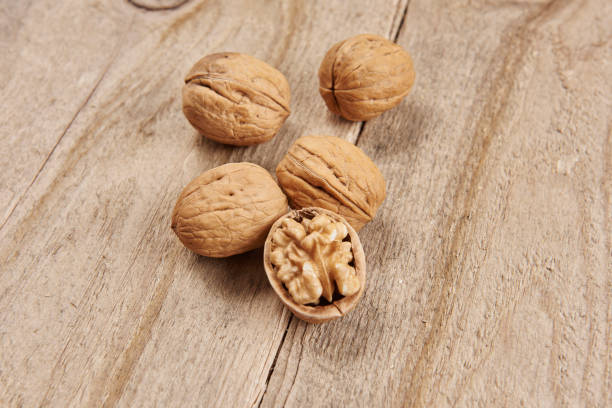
(331,173)
(339,306)
(363,76)
(228,210)
(235,99)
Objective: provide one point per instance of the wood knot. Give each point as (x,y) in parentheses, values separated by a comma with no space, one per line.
(158,5)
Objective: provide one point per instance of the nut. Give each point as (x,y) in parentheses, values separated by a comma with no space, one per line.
(235,99)
(310,256)
(228,210)
(363,76)
(331,173)
(315,263)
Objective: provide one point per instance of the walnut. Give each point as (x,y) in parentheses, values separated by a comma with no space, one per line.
(363,76)
(228,210)
(331,173)
(235,99)
(315,263)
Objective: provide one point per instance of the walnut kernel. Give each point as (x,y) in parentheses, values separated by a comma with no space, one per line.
(315,264)
(311,257)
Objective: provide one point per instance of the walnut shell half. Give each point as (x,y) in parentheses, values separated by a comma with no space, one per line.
(331,173)
(228,210)
(363,76)
(304,272)
(235,99)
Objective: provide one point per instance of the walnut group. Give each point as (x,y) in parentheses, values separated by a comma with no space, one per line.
(312,255)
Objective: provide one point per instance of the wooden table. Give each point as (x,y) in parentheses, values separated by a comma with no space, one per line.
(489,263)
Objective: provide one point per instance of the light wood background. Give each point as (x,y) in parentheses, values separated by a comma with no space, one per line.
(489,263)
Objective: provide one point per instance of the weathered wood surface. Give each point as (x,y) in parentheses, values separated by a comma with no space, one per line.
(490,262)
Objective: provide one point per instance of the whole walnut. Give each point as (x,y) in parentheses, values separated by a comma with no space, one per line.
(363,76)
(331,173)
(235,99)
(228,210)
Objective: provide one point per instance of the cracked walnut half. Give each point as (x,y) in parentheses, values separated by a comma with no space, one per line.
(311,257)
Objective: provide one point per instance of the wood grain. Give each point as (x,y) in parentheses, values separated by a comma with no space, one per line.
(490,272)
(490,262)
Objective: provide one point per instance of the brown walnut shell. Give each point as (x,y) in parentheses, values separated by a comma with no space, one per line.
(331,173)
(235,99)
(363,76)
(228,210)
(324,312)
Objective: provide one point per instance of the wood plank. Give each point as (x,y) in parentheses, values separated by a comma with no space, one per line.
(47,75)
(490,263)
(99,303)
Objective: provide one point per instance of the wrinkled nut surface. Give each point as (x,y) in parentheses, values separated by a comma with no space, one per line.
(235,99)
(228,210)
(363,76)
(315,263)
(331,173)
(311,256)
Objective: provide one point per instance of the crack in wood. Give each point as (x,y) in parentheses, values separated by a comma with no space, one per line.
(273,366)
(401,24)
(360,132)
(395,36)
(297,369)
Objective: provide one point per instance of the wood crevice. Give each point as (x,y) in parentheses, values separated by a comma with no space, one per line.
(360,132)
(297,369)
(273,366)
(401,23)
